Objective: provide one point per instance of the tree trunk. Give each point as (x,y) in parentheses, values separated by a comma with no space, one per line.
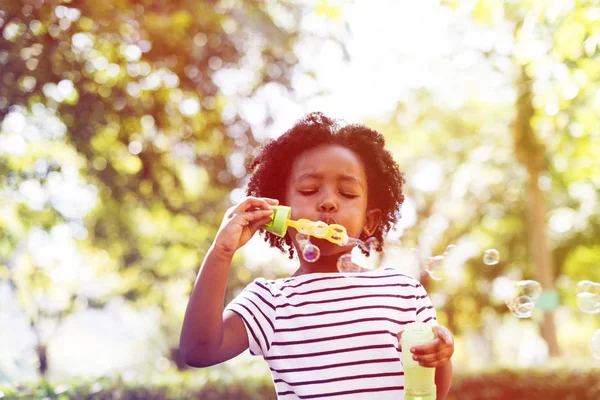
(41,349)
(531,153)
(42,352)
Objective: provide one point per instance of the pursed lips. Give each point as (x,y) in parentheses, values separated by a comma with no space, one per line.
(328,219)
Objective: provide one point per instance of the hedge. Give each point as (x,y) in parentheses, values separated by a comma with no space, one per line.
(526,384)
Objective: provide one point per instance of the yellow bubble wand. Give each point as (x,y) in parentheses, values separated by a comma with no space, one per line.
(280,221)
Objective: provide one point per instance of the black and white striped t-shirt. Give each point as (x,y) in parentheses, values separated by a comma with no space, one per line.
(328,335)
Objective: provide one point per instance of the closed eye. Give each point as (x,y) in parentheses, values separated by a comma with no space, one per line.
(311,192)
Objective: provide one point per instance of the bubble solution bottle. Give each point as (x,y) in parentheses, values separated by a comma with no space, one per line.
(419,382)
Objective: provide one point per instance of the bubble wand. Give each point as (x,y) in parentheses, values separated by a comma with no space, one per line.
(280,221)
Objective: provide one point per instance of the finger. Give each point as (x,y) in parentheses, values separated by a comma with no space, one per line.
(443,333)
(427,348)
(435,364)
(249,217)
(431,358)
(271,201)
(249,204)
(258,223)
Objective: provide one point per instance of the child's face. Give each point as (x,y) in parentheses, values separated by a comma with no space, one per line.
(329,183)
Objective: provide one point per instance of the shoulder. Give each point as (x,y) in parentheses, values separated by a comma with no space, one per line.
(398,277)
(260,284)
(265,287)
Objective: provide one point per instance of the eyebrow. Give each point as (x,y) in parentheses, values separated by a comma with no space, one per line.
(342,177)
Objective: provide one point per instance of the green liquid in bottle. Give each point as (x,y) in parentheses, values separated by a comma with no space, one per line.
(419,382)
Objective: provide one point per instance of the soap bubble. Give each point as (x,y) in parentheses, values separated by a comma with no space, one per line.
(588,302)
(369,245)
(452,258)
(521,307)
(435,268)
(588,286)
(344,260)
(449,250)
(302,238)
(310,252)
(529,288)
(346,265)
(588,297)
(524,295)
(372,243)
(595,344)
(491,257)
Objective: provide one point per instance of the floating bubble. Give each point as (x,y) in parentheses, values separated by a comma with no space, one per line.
(435,268)
(588,286)
(360,244)
(302,238)
(449,250)
(310,252)
(588,296)
(350,241)
(529,288)
(595,344)
(372,243)
(588,302)
(521,307)
(344,260)
(491,257)
(346,265)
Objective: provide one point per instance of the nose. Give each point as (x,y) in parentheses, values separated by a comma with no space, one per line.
(328,204)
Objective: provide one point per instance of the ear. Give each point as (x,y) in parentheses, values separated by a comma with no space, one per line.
(372,218)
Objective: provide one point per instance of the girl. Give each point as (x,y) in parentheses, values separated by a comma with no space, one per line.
(322,333)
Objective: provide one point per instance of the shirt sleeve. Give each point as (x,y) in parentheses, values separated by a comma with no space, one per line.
(425,311)
(256,305)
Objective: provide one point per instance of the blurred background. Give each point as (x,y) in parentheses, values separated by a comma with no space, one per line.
(126,128)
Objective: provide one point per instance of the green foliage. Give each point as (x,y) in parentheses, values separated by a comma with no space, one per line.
(483,190)
(105,390)
(527,384)
(125,94)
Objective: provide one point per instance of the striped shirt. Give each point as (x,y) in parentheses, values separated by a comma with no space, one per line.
(328,335)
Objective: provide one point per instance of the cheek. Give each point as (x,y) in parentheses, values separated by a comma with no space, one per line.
(355,223)
(298,205)
(287,197)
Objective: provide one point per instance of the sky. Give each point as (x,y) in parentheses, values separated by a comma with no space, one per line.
(394,47)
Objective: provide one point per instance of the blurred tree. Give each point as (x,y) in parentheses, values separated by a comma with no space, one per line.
(570,33)
(151,100)
(546,53)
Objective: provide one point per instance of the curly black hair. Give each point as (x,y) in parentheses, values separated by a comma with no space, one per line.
(271,168)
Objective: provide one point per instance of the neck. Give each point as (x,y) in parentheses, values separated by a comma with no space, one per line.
(325,263)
